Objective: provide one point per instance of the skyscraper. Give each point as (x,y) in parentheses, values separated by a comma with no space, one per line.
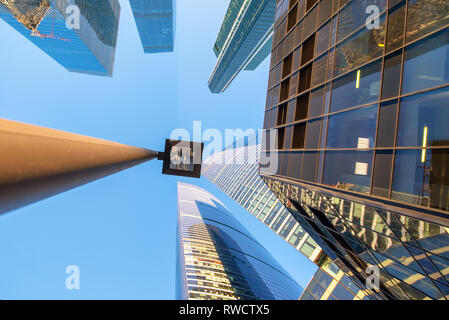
(244,40)
(235,172)
(87,47)
(156,23)
(219,259)
(357,101)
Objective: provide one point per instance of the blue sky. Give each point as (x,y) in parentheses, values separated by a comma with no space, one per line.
(121,230)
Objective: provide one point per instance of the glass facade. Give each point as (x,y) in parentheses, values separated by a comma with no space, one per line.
(244,40)
(89,49)
(364,146)
(330,283)
(219,259)
(156,23)
(235,172)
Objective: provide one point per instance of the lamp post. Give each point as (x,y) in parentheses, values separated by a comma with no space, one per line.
(37,163)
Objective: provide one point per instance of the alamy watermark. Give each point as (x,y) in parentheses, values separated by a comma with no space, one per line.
(372,281)
(225,147)
(72,282)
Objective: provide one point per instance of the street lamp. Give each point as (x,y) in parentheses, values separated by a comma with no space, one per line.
(37,163)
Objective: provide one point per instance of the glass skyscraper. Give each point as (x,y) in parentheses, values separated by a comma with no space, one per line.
(235,172)
(244,40)
(156,23)
(358,102)
(219,259)
(89,49)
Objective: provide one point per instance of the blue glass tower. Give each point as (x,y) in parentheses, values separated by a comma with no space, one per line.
(219,259)
(244,40)
(88,49)
(155,20)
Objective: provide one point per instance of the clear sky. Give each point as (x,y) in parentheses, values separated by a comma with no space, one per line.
(121,230)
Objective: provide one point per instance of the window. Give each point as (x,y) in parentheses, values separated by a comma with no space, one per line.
(322,39)
(287,66)
(423,119)
(302,107)
(305,77)
(354,16)
(319,71)
(427,63)
(425,16)
(392,75)
(295,165)
(353,129)
(281,135)
(285,90)
(310,3)
(310,22)
(299,135)
(325,11)
(382,173)
(357,88)
(291,20)
(422,177)
(387,124)
(308,48)
(316,102)
(395,33)
(360,48)
(313,134)
(282,114)
(349,170)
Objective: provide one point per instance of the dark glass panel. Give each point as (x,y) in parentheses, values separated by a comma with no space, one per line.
(285,90)
(382,173)
(302,107)
(282,114)
(387,124)
(299,135)
(392,75)
(305,78)
(308,48)
(291,20)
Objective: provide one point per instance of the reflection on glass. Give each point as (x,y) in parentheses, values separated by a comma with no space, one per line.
(426,110)
(421,182)
(420,70)
(357,88)
(85,48)
(362,47)
(425,16)
(353,129)
(343,169)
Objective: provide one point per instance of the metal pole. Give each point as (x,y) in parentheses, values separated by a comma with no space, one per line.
(37,163)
